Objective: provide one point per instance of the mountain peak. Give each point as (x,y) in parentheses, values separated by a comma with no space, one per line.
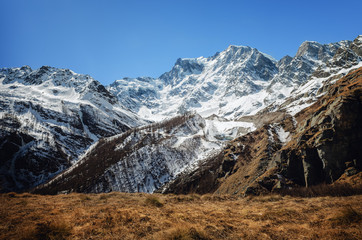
(233,47)
(26,68)
(308,48)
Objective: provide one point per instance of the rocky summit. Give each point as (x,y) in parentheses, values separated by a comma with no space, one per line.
(239,122)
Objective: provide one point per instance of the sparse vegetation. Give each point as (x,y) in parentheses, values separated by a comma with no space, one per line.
(138,216)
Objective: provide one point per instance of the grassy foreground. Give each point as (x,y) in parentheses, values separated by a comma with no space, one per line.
(145,216)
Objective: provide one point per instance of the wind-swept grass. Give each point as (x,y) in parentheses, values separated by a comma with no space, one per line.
(155,216)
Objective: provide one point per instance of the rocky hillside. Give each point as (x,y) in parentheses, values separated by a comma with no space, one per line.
(320,144)
(48,117)
(139,160)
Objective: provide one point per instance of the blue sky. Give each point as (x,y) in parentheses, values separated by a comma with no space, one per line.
(111,39)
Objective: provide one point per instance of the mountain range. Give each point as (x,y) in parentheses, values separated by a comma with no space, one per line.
(237,122)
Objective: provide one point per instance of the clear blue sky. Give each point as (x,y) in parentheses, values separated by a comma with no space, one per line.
(111,39)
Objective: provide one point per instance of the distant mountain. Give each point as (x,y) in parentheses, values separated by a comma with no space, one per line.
(238,81)
(48,117)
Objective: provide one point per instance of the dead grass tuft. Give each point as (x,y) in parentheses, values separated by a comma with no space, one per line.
(84,197)
(153,201)
(185,233)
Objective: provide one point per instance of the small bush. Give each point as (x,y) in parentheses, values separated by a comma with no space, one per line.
(84,198)
(153,201)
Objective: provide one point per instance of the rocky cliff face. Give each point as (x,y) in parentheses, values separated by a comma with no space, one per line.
(318,145)
(48,117)
(328,137)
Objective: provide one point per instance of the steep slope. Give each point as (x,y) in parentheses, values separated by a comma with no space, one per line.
(320,144)
(139,160)
(48,117)
(236,82)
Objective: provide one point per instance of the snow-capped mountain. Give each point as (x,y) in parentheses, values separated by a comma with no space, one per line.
(48,117)
(238,81)
(311,137)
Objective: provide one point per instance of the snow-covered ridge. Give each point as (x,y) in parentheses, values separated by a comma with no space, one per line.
(236,82)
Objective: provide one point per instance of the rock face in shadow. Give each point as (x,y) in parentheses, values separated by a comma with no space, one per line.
(328,137)
(318,145)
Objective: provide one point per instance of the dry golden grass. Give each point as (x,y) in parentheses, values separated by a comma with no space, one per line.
(144,216)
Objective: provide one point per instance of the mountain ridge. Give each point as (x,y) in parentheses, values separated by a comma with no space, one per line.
(238,73)
(52,115)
